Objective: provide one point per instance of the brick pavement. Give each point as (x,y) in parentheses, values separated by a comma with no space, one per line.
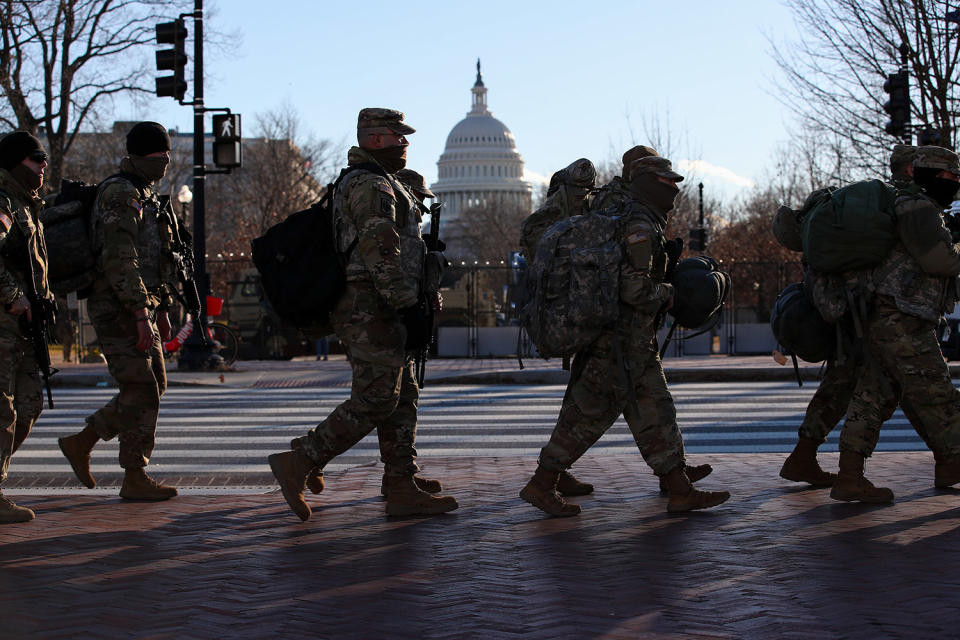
(776,561)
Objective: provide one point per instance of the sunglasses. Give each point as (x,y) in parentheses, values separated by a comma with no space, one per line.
(38,156)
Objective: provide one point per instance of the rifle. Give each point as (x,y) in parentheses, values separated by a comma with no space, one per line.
(433,271)
(952,221)
(40,329)
(182,255)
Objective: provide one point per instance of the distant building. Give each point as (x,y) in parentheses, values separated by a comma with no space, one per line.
(480,164)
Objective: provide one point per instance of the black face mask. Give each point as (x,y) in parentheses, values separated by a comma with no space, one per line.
(391,158)
(941,189)
(647,189)
(151,168)
(26,176)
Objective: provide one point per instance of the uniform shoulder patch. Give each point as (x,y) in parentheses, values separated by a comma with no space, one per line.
(5,221)
(385,187)
(637,236)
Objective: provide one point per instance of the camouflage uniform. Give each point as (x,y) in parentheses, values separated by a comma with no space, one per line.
(568,197)
(21,388)
(133,270)
(621,372)
(915,285)
(384,274)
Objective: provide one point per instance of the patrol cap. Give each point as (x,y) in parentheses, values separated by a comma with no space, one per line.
(15,147)
(380,120)
(902,154)
(416,182)
(932,157)
(655,165)
(640,151)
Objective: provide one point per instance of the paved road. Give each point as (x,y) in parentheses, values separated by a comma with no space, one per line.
(223,435)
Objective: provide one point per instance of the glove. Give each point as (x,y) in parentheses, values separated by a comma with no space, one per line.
(673,249)
(418,325)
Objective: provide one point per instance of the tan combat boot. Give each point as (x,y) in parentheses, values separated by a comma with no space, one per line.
(698,472)
(77,450)
(137,485)
(404,498)
(315,478)
(567,485)
(290,468)
(424,484)
(683,497)
(946,473)
(541,492)
(852,486)
(11,513)
(802,466)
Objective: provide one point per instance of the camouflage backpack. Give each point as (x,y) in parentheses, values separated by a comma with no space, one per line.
(572,291)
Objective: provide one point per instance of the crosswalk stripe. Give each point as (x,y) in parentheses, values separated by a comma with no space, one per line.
(210,430)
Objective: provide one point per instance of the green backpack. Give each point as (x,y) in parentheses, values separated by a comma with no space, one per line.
(850,228)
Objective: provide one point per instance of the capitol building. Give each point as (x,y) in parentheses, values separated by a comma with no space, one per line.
(480,164)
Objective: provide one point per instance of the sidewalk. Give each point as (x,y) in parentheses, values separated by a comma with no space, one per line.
(306,372)
(777,561)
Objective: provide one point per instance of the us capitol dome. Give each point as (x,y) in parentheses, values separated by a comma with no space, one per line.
(480,164)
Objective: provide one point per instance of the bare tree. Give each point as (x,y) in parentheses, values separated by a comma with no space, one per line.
(834,74)
(64,59)
(489,231)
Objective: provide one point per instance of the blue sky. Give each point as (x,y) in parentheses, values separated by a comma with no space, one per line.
(570,79)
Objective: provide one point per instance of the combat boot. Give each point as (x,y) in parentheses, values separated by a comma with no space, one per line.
(290,468)
(683,497)
(541,492)
(11,513)
(404,498)
(76,449)
(852,486)
(695,473)
(424,484)
(567,485)
(802,466)
(946,473)
(137,485)
(315,478)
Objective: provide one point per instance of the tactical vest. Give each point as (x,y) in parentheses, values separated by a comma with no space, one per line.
(914,291)
(412,247)
(154,240)
(26,240)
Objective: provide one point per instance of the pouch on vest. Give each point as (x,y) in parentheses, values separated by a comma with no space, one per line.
(302,271)
(572,287)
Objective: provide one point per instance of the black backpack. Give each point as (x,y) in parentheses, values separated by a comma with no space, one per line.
(302,272)
(700,289)
(799,327)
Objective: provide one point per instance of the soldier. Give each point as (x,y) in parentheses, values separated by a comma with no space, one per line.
(617,192)
(915,285)
(378,320)
(566,197)
(621,372)
(128,307)
(830,402)
(23,257)
(388,437)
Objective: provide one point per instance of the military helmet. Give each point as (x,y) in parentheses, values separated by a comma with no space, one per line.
(699,290)
(799,327)
(786,229)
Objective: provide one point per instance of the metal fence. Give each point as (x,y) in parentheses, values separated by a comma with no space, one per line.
(480,317)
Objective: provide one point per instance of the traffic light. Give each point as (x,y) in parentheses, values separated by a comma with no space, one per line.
(227,152)
(898,106)
(175,59)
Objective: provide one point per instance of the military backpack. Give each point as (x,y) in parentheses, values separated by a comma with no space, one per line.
(572,287)
(799,328)
(850,228)
(302,271)
(68,234)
